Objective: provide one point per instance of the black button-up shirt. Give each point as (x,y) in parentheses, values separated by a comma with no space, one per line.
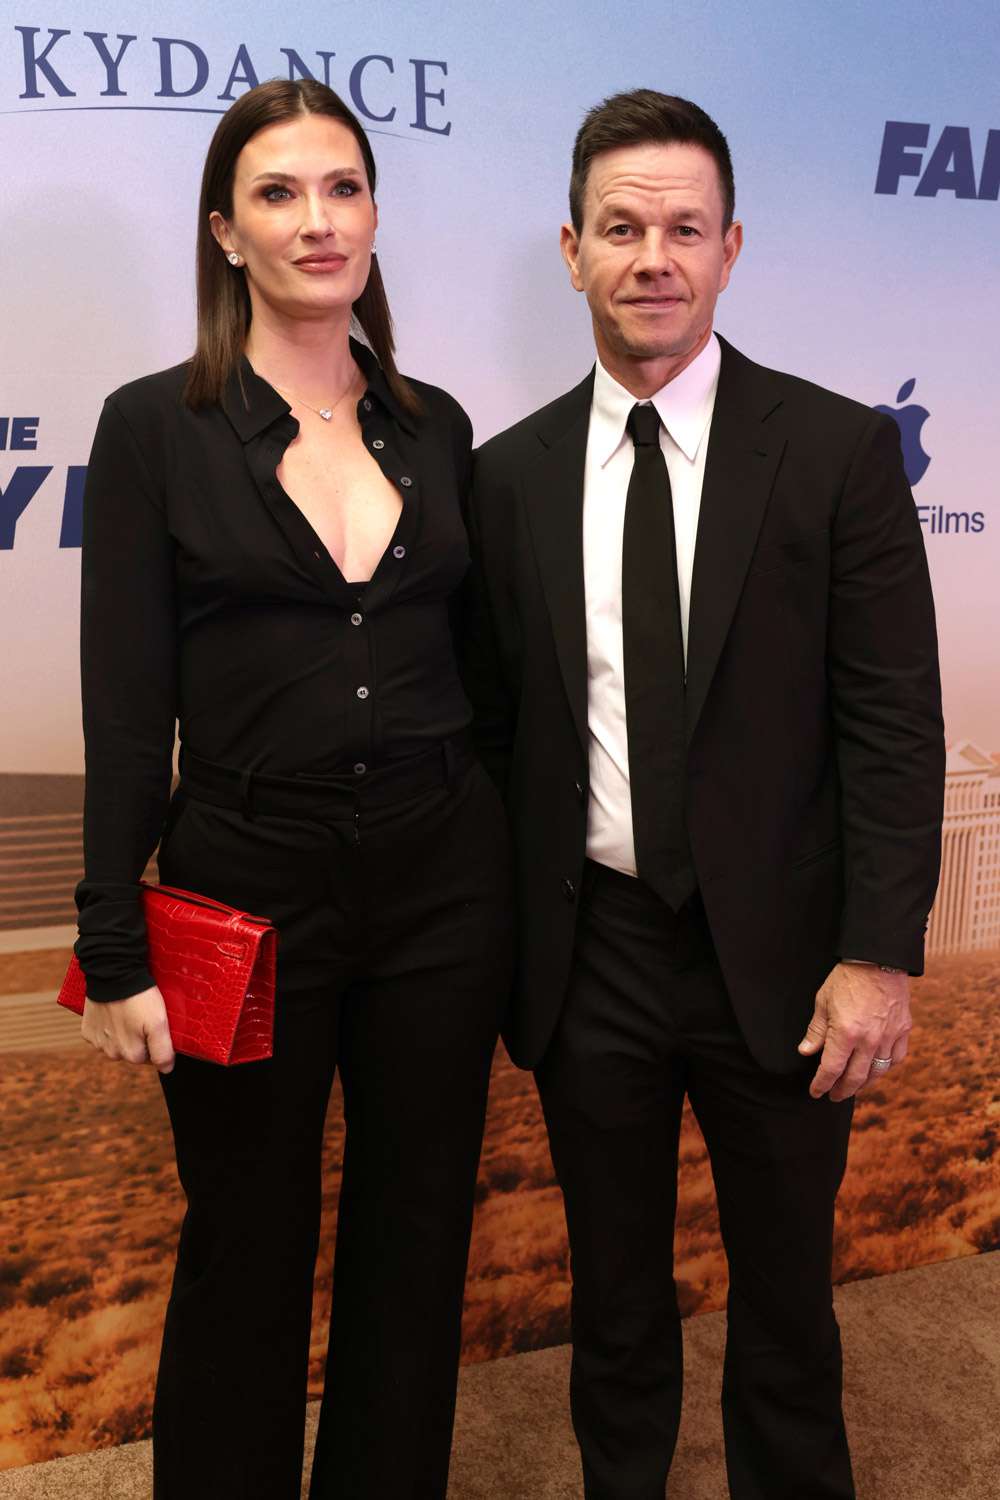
(209,599)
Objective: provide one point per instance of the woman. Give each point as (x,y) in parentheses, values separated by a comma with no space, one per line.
(272,539)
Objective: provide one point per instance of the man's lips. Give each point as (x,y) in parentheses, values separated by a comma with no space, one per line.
(653,303)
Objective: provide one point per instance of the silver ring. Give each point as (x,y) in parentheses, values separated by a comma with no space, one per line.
(880,1064)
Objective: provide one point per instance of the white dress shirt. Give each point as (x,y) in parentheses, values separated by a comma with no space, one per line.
(685,407)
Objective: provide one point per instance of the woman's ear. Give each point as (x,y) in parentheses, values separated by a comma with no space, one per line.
(221,232)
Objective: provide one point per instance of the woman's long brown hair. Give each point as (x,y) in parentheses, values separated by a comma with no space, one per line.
(223,298)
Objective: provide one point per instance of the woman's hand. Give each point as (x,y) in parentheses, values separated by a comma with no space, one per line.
(133,1030)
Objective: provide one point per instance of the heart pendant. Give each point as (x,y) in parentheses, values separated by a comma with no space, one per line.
(325,413)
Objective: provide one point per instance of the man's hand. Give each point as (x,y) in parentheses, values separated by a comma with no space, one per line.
(861,1013)
(133,1030)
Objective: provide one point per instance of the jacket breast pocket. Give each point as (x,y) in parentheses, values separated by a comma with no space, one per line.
(813,856)
(796,551)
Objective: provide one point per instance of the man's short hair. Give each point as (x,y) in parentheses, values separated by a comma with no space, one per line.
(639,118)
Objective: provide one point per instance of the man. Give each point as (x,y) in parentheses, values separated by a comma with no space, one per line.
(702,653)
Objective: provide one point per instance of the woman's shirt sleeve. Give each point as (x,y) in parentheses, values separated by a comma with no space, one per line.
(129,687)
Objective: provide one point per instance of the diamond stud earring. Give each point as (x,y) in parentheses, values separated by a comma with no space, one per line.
(373,247)
(233,258)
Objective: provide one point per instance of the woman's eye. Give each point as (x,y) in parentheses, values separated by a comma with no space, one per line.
(277,192)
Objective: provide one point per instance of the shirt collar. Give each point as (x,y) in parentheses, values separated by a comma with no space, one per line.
(251,404)
(684,405)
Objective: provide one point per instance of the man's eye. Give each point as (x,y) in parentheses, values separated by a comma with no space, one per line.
(621,230)
(687,230)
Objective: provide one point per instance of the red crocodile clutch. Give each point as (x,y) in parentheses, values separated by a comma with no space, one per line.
(214,967)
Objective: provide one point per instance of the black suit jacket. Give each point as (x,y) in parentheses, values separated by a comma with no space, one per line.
(815,769)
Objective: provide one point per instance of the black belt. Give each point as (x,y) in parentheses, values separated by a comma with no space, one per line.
(252,792)
(608,878)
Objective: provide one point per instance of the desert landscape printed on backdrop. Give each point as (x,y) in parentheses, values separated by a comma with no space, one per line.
(91,1209)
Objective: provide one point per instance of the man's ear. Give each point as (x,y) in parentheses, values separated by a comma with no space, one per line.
(569,244)
(732,245)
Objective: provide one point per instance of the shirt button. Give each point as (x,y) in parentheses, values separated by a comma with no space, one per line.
(581,791)
(362,692)
(406,481)
(356,619)
(378,443)
(569,890)
(368,405)
(399,551)
(360,768)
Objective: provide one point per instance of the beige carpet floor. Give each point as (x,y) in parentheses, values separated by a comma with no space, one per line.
(922,1399)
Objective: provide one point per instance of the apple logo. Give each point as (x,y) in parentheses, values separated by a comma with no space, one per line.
(909,420)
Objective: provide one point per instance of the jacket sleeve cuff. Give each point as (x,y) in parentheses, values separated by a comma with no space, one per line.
(884,949)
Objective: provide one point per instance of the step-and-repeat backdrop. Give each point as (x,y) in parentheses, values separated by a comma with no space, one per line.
(866,142)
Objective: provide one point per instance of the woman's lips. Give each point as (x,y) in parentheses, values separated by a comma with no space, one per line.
(320,265)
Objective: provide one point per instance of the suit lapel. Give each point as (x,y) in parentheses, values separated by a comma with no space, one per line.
(746,442)
(554,503)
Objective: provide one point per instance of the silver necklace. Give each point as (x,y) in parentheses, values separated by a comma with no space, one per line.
(326,412)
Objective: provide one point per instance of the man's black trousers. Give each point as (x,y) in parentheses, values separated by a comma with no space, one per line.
(647,1020)
(395,954)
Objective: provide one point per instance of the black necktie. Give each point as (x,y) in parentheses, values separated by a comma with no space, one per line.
(654,669)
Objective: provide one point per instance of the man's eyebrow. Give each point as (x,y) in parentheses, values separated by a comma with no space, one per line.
(331,176)
(615,209)
(619,209)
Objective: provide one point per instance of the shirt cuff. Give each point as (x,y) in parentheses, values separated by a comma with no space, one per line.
(103,991)
(874,963)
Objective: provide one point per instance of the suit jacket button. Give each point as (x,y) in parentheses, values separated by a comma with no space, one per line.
(569,890)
